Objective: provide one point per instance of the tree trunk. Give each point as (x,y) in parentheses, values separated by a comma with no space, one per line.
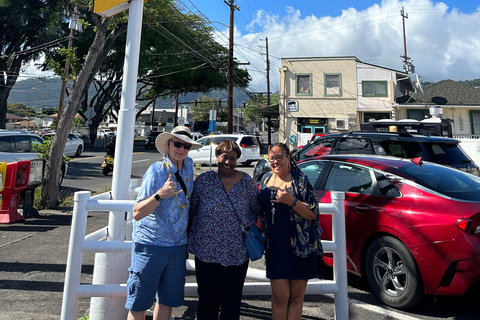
(96,54)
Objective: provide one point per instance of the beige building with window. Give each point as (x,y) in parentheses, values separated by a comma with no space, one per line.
(335,94)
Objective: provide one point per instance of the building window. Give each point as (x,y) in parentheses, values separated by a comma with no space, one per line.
(333,85)
(304,84)
(367,116)
(374,89)
(475,120)
(417,114)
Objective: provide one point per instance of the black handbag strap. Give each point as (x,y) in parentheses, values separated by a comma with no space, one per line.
(182,184)
(231,203)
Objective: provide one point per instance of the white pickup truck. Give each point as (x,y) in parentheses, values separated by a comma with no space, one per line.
(105,133)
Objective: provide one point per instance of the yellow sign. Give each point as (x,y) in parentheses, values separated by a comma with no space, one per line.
(108,8)
(3,170)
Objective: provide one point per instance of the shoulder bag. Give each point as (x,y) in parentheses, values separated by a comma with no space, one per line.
(253,237)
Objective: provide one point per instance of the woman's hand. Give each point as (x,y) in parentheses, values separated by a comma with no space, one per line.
(283,196)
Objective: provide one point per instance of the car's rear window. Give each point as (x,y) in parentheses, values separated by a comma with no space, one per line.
(249,142)
(450,182)
(217,140)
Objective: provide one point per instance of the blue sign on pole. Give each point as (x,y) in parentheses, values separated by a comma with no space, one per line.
(211,126)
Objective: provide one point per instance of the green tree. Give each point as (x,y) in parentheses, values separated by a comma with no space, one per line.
(49,111)
(106,32)
(29,27)
(201,112)
(256,101)
(21,110)
(168,72)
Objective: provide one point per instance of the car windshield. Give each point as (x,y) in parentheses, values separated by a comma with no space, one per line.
(450,182)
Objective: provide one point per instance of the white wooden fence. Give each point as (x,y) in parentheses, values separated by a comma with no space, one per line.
(80,244)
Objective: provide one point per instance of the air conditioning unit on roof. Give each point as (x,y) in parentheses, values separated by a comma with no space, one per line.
(341,124)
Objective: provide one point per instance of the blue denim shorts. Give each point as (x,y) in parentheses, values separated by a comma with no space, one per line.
(156,272)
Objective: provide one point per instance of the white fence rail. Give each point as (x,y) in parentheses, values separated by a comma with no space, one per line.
(471,145)
(80,244)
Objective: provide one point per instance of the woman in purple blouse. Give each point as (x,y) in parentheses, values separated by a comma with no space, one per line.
(217,237)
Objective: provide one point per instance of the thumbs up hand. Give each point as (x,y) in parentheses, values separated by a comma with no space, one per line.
(169,188)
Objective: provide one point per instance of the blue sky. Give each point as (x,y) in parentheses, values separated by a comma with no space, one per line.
(443,38)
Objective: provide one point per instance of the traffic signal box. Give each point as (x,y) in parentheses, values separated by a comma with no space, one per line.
(17,174)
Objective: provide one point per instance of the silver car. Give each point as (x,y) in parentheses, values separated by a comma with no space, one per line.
(248,145)
(18,146)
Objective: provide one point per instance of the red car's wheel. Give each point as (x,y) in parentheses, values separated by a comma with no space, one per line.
(393,273)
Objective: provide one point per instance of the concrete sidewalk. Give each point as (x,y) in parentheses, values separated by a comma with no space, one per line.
(33,255)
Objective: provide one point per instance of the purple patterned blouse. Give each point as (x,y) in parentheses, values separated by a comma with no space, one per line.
(216,235)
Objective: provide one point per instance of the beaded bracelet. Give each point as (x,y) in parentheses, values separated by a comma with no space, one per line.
(294,203)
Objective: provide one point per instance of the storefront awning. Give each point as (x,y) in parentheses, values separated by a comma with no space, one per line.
(269,111)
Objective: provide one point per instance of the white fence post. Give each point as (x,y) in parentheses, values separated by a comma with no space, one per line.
(74,260)
(340,255)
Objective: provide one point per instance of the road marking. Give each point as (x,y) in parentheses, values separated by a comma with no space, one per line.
(18,240)
(140,160)
(389,313)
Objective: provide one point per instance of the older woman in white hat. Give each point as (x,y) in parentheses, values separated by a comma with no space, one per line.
(160,228)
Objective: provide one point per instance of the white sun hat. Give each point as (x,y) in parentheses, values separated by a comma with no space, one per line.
(181,132)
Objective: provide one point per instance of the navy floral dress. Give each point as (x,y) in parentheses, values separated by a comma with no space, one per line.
(294,250)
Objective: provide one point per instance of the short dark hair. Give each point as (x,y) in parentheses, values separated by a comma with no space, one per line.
(227,146)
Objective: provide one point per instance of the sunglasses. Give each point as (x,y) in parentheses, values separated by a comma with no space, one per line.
(186,146)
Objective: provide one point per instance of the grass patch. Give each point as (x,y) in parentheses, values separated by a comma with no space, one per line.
(65,197)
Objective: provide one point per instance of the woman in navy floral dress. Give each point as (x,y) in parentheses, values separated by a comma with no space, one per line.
(217,238)
(290,222)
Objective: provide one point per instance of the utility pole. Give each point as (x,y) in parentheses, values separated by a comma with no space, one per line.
(267,67)
(233,7)
(405,57)
(72,25)
(175,121)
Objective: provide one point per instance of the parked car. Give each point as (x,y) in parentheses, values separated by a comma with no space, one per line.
(247,143)
(74,145)
(17,146)
(105,133)
(150,139)
(442,150)
(436,149)
(413,228)
(196,135)
(314,136)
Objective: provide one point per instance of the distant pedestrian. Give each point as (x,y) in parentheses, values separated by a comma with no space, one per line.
(160,229)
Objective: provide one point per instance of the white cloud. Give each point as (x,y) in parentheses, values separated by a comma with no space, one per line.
(31,70)
(442,43)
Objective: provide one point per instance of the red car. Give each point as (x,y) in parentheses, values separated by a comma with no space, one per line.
(412,227)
